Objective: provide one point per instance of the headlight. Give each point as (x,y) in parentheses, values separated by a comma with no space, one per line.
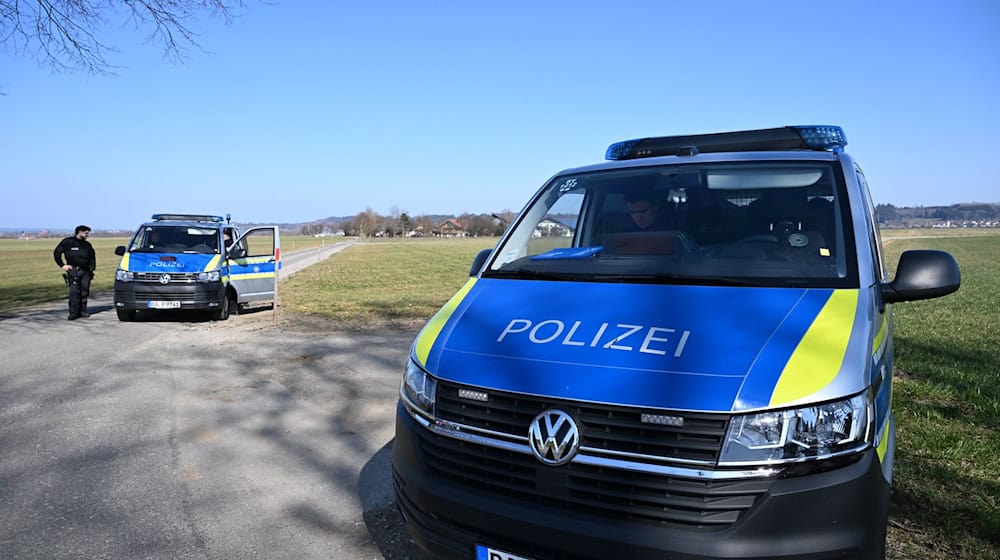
(801,434)
(123,275)
(418,390)
(208,276)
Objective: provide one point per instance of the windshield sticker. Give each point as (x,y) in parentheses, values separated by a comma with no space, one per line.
(567,185)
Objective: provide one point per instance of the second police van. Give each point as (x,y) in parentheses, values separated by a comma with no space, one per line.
(197,262)
(685,352)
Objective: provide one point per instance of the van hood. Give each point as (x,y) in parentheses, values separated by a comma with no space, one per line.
(170,262)
(705,348)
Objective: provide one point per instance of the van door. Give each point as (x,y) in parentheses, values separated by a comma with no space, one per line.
(254,262)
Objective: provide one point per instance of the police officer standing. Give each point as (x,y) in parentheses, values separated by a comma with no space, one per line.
(79,269)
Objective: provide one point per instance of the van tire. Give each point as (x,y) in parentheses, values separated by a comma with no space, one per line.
(126,315)
(223,312)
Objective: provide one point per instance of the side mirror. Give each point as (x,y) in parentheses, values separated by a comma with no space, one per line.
(120,250)
(479,261)
(236,251)
(922,274)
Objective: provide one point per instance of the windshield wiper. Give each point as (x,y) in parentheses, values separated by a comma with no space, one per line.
(670,278)
(530,274)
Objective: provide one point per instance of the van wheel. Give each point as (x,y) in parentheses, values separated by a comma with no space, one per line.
(223,313)
(126,314)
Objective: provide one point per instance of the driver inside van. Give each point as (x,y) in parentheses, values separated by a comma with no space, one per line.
(646,211)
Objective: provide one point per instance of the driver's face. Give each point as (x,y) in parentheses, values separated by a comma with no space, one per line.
(643,213)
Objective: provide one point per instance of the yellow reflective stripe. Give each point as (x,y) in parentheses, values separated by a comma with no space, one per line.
(820,353)
(213,264)
(883,445)
(251,276)
(880,337)
(124,263)
(430,333)
(252,260)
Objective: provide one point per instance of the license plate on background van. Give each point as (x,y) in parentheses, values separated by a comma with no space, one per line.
(486,553)
(163,304)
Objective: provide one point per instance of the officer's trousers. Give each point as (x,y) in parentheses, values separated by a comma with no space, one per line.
(79,291)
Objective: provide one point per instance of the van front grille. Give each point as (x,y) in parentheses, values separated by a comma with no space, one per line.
(603,491)
(699,437)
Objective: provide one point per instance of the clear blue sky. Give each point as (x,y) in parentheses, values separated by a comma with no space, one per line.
(302,110)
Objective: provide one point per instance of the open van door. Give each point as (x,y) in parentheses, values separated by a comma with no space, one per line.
(254,261)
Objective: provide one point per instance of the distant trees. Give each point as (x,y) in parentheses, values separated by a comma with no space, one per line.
(365,223)
(400,223)
(67,34)
(966,212)
(404,223)
(312,229)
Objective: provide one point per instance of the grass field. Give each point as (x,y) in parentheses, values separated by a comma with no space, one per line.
(946,496)
(290,243)
(939,232)
(389,282)
(29,274)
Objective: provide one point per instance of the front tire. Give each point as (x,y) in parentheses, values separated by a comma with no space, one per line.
(126,315)
(223,313)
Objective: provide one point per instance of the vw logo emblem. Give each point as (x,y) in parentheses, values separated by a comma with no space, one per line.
(164,279)
(554,437)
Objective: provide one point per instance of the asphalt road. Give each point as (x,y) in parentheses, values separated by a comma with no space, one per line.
(175,437)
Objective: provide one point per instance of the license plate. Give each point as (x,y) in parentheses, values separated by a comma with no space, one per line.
(163,304)
(486,553)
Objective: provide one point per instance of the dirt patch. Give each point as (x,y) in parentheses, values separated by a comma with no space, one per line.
(312,323)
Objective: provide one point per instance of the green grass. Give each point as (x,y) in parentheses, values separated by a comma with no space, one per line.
(29,274)
(290,243)
(946,495)
(939,232)
(388,282)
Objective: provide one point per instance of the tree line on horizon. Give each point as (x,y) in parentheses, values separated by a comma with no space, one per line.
(399,223)
(979,213)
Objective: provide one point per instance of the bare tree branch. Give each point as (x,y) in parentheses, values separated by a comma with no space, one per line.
(65,34)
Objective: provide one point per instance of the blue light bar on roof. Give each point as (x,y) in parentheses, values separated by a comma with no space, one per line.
(821,137)
(620,150)
(187,218)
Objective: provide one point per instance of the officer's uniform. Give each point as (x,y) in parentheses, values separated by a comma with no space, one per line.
(79,254)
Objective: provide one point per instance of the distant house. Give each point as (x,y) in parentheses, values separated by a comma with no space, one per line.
(451,228)
(555,226)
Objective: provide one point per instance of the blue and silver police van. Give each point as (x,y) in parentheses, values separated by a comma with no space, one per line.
(198,262)
(685,352)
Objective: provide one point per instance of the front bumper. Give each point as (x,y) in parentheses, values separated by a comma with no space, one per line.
(144,295)
(840,513)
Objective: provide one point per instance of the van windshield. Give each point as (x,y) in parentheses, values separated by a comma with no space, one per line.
(741,223)
(175,239)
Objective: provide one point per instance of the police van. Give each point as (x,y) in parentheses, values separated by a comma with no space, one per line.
(200,262)
(685,352)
